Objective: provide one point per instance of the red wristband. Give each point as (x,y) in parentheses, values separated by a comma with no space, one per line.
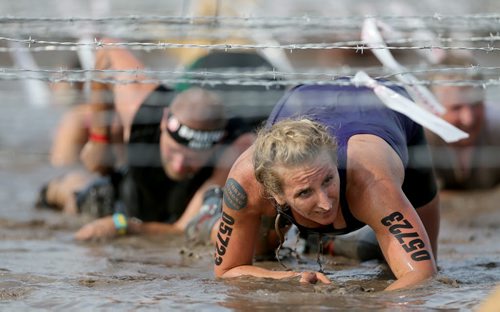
(99,138)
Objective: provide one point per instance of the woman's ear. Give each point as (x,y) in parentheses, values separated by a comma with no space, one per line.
(279,199)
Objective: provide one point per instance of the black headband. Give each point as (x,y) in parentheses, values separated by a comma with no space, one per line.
(192,138)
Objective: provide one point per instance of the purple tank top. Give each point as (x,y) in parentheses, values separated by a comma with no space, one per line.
(347,111)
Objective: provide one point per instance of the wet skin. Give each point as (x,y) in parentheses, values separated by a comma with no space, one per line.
(181,162)
(312,191)
(464,109)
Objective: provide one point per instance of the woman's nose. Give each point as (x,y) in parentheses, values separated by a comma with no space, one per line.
(325,202)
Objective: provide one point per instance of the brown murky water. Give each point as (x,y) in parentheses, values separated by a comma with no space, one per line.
(42,267)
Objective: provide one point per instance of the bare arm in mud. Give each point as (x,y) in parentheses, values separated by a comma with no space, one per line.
(70,136)
(105,228)
(237,237)
(375,197)
(104,149)
(126,100)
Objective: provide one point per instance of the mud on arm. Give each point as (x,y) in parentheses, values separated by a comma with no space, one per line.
(237,237)
(376,198)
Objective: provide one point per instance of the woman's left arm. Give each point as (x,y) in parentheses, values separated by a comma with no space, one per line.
(375,175)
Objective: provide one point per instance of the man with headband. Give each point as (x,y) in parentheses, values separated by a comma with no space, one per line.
(180,148)
(175,155)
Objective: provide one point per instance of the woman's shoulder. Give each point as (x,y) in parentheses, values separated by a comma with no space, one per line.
(242,183)
(242,168)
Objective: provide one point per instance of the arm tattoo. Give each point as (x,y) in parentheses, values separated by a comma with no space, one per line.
(396,222)
(223,236)
(235,196)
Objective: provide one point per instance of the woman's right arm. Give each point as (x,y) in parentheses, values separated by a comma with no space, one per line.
(235,245)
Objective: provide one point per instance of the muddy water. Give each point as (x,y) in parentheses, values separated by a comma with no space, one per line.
(41,267)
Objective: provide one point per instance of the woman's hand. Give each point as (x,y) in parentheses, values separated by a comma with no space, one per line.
(313,278)
(99,229)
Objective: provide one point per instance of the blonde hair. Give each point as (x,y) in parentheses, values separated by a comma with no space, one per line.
(289,143)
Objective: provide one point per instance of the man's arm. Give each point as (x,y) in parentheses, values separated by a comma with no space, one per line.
(218,178)
(98,154)
(70,136)
(104,227)
(116,108)
(127,97)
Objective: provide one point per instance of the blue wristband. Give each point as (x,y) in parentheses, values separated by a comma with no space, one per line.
(120,222)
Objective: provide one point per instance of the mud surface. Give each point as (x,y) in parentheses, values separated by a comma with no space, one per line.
(42,267)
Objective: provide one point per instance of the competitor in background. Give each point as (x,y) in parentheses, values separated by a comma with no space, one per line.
(469,163)
(179,143)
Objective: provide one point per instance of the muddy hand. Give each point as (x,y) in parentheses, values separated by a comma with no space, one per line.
(313,278)
(98,229)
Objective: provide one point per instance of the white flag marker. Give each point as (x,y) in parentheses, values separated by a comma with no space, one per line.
(403,105)
(371,35)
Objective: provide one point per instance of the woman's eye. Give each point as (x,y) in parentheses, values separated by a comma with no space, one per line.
(328,180)
(304,193)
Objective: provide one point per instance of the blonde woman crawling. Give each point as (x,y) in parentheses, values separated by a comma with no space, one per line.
(333,159)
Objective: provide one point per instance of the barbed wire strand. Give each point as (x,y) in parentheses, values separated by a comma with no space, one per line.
(247,78)
(236,72)
(359,46)
(306,19)
(270,24)
(245,82)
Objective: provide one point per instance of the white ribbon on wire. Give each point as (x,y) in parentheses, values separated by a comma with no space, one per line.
(371,35)
(403,105)
(433,55)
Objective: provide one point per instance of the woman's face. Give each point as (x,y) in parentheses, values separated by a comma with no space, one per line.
(311,190)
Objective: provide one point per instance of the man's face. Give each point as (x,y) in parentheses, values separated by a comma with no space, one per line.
(464,109)
(179,161)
